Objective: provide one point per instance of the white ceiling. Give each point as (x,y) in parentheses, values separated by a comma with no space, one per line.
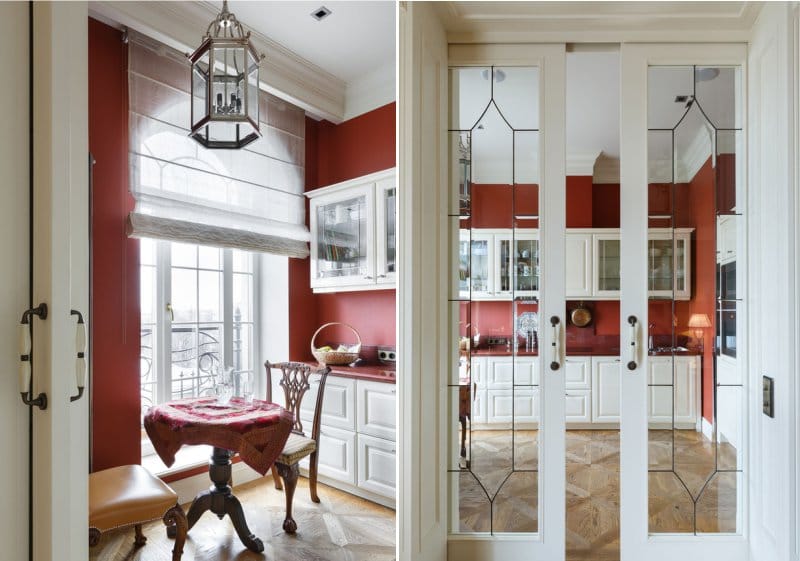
(356,39)
(335,69)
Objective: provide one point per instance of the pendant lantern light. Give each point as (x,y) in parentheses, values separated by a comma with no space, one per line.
(225,80)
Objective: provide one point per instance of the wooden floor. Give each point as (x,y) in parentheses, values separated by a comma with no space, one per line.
(689,488)
(340,528)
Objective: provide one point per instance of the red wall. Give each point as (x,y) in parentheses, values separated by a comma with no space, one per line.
(335,153)
(115,317)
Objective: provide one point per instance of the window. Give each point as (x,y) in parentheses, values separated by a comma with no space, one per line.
(197,306)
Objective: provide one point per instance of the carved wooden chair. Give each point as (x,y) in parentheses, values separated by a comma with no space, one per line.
(295,381)
(131,496)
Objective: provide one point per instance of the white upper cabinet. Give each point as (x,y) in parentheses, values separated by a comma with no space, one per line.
(593,263)
(353,233)
(579,265)
(498,264)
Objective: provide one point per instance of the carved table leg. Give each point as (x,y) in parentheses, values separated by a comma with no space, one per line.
(289,475)
(463,420)
(140,539)
(176,519)
(221,501)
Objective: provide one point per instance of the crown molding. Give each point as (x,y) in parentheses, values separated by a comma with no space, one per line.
(182,24)
(581,164)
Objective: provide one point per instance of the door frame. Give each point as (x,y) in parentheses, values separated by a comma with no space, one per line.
(635,541)
(549,542)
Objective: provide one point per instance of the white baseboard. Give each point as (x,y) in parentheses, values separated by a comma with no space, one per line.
(707,428)
(188,487)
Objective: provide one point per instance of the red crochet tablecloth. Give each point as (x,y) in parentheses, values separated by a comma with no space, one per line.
(257,431)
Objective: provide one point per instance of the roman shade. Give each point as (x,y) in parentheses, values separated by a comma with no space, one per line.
(250,199)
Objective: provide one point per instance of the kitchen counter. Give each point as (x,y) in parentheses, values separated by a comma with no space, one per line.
(374,372)
(595,350)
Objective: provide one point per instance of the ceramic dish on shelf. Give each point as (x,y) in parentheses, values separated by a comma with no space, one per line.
(527,322)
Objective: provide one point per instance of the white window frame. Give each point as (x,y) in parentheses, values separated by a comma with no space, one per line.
(163,330)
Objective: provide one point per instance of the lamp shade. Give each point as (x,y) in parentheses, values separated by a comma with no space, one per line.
(699,320)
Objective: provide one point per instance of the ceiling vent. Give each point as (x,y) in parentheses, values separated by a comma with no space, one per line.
(320,13)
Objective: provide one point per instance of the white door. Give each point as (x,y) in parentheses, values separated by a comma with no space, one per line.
(506,142)
(15,296)
(682,493)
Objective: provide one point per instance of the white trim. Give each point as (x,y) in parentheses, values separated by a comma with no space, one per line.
(706,428)
(422,313)
(61,278)
(582,164)
(285,74)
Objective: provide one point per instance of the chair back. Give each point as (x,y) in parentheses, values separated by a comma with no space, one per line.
(295,381)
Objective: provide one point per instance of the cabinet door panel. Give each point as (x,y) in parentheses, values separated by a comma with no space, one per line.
(343,228)
(376,465)
(337,455)
(376,409)
(503,372)
(578,406)
(338,406)
(519,405)
(605,265)
(577,374)
(659,404)
(386,228)
(606,391)
(579,265)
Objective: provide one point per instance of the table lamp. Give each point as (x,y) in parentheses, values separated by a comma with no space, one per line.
(699,322)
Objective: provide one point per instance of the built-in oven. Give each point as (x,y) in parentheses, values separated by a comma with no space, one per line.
(726,309)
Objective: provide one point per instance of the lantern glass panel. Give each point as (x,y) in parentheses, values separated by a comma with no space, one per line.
(200,88)
(252,87)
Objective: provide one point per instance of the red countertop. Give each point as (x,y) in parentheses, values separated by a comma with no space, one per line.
(373,372)
(595,350)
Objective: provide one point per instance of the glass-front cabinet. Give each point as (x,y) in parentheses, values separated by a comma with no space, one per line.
(498,264)
(606,265)
(669,263)
(353,234)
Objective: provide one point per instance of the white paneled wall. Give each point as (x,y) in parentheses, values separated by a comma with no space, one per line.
(771,296)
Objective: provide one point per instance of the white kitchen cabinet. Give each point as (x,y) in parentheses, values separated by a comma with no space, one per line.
(726,239)
(353,233)
(578,373)
(606,389)
(337,455)
(593,260)
(578,255)
(606,264)
(338,405)
(674,400)
(498,264)
(578,406)
(669,263)
(376,465)
(357,436)
(478,406)
(519,406)
(504,372)
(376,409)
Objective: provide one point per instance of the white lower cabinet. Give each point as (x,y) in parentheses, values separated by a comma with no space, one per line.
(592,391)
(606,394)
(357,438)
(376,465)
(518,406)
(674,391)
(337,455)
(578,406)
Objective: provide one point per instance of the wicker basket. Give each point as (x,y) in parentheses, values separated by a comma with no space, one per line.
(335,358)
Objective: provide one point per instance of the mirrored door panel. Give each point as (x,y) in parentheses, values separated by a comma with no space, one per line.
(494,388)
(695,395)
